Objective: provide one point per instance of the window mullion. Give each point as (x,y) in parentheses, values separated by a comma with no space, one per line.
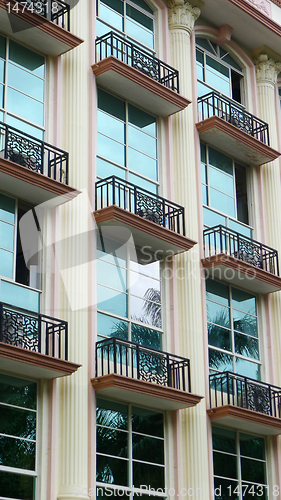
(239,465)
(130,446)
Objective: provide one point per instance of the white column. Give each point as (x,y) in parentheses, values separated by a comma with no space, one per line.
(194,451)
(266,73)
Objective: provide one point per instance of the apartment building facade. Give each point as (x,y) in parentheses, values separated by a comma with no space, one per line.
(139,238)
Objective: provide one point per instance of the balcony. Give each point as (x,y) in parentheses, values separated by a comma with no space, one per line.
(240,261)
(140,375)
(226,125)
(40,25)
(245,404)
(137,75)
(156,224)
(33,344)
(32,169)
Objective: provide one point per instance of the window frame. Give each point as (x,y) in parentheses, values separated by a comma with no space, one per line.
(238,455)
(258,362)
(131,489)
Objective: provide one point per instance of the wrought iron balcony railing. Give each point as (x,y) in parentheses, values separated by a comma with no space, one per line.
(228,388)
(214,104)
(112,44)
(56,11)
(33,331)
(221,239)
(36,155)
(116,191)
(135,361)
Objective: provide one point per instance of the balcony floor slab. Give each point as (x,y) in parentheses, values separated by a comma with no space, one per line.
(245,420)
(235,142)
(21,361)
(137,87)
(152,241)
(35,31)
(238,273)
(143,393)
(33,186)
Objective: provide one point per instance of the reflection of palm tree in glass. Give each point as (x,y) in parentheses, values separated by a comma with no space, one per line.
(152,306)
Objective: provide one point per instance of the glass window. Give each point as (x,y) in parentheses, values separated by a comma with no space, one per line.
(17,437)
(126,138)
(224,191)
(136,452)
(133,18)
(232,330)
(217,70)
(131,294)
(239,465)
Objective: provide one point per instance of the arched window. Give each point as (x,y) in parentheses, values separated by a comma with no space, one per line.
(132,19)
(217,70)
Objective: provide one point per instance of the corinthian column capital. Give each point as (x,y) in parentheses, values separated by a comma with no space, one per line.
(267,69)
(182,14)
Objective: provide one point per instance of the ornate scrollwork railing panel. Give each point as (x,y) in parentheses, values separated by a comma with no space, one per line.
(20,330)
(24,152)
(152,368)
(146,64)
(258,398)
(149,208)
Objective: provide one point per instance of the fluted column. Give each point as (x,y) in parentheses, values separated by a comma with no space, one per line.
(194,459)
(72,393)
(266,73)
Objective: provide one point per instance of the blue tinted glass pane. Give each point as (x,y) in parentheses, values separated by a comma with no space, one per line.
(222,202)
(1,97)
(2,70)
(27,59)
(116,5)
(24,81)
(247,369)
(142,164)
(110,104)
(220,161)
(7,235)
(212,219)
(146,311)
(246,346)
(243,301)
(217,291)
(141,141)
(111,275)
(251,446)
(221,181)
(111,149)
(218,314)
(112,301)
(138,181)
(111,127)
(139,33)
(219,337)
(245,323)
(112,327)
(7,208)
(200,71)
(25,127)
(199,57)
(203,173)
(204,195)
(2,47)
(27,107)
(231,61)
(146,337)
(106,169)
(111,17)
(6,263)
(101,28)
(220,361)
(19,296)
(240,228)
(142,120)
(224,440)
(217,82)
(139,17)
(203,89)
(219,69)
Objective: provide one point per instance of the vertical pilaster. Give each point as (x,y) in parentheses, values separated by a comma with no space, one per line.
(194,460)
(72,394)
(266,73)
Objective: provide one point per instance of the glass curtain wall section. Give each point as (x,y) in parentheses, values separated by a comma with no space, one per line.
(18,409)
(127,142)
(239,465)
(217,70)
(232,330)
(22,82)
(224,191)
(130,450)
(129,299)
(131,19)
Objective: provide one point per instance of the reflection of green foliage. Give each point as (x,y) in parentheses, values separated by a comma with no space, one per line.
(139,334)
(152,306)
